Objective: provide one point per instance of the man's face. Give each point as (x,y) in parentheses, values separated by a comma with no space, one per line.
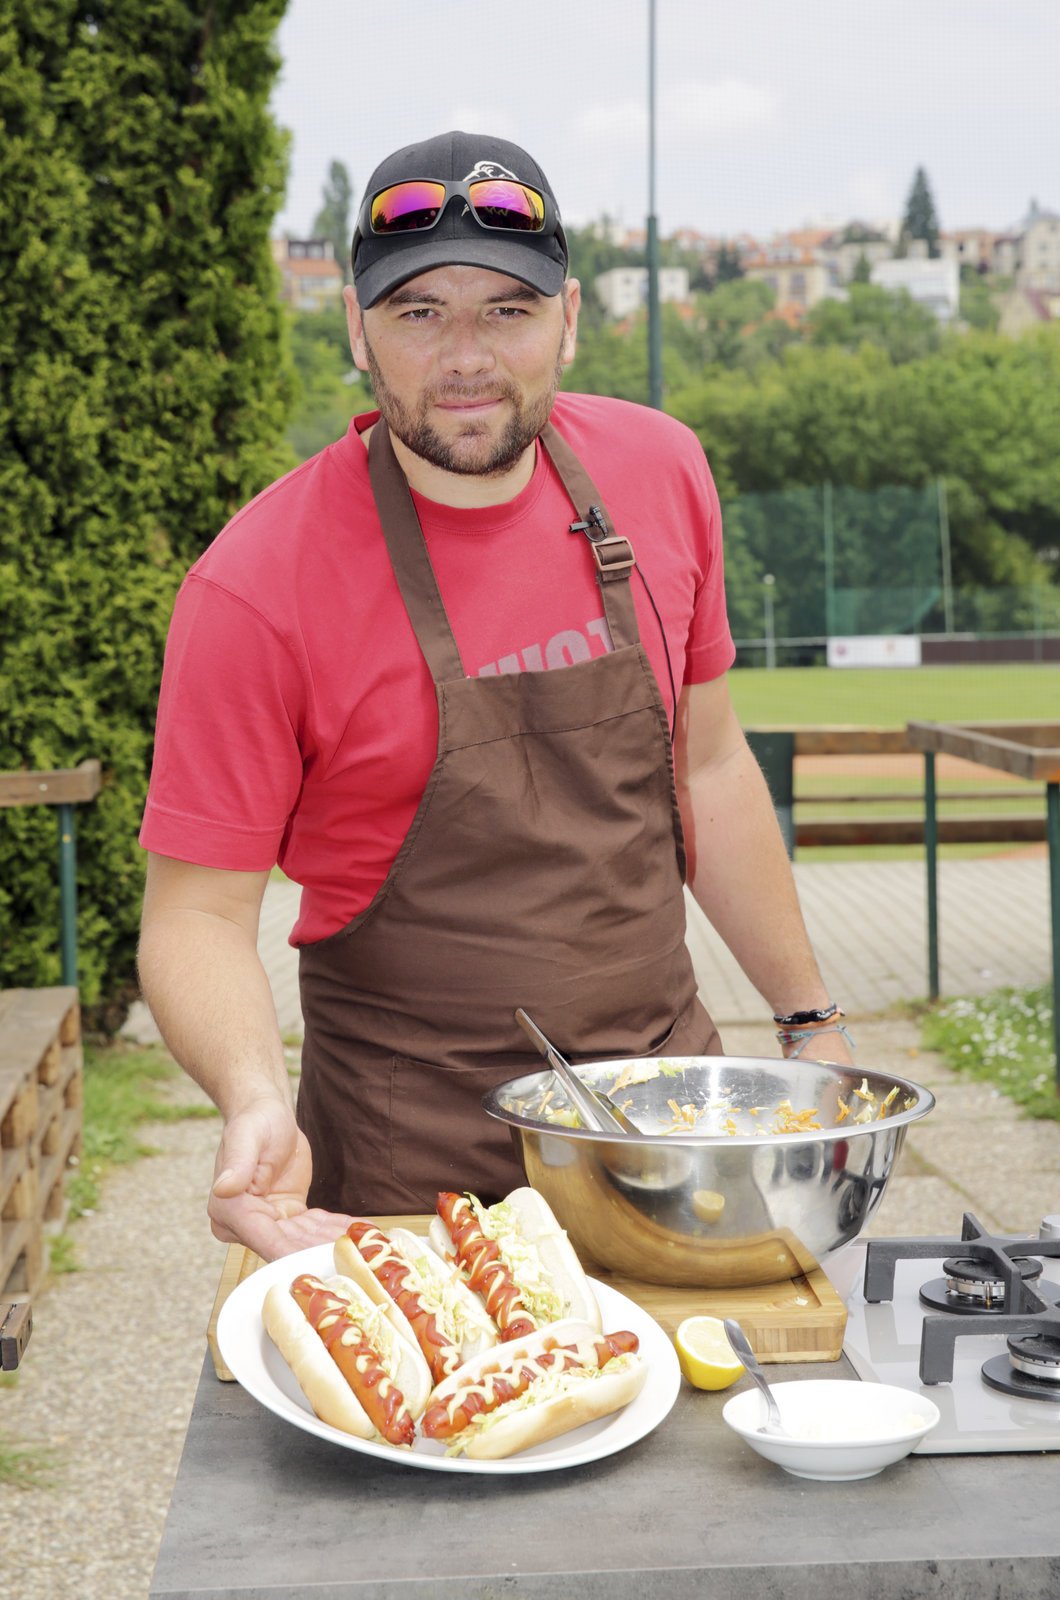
(465,364)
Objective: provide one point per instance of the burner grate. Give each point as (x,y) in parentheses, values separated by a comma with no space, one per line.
(1024,1309)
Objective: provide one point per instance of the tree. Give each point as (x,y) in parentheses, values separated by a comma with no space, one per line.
(329,389)
(920,220)
(593,252)
(334,220)
(728,265)
(893,320)
(727,317)
(978,302)
(982,411)
(143,395)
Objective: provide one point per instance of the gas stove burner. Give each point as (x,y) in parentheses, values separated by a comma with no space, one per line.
(971,1299)
(998,1373)
(975,1285)
(1038,1356)
(995,1251)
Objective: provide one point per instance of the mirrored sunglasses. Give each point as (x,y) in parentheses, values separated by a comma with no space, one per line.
(499,204)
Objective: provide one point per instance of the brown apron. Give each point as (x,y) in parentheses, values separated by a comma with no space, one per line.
(543,869)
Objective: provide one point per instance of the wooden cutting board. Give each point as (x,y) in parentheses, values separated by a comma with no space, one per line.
(800,1319)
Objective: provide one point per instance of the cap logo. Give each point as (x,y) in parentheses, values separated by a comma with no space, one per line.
(489,169)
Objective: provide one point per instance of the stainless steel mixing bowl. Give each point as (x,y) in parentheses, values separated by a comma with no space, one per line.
(709,1193)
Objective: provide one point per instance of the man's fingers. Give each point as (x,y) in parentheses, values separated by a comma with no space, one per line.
(248,1157)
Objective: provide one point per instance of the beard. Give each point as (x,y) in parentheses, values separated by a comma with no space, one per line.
(474,452)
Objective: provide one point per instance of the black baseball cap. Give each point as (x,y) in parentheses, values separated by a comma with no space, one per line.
(381,262)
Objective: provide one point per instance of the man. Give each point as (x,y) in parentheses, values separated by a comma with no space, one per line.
(463,676)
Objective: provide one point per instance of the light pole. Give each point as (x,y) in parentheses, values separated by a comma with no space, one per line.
(654,323)
(768,581)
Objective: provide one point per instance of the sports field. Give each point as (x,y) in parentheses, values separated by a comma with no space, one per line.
(891,696)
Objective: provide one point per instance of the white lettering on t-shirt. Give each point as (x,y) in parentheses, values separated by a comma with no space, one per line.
(562,650)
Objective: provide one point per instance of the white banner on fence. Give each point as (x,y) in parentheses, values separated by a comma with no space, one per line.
(868,650)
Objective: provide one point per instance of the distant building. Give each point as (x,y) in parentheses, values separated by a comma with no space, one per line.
(1005,255)
(609,229)
(969,247)
(842,251)
(624,290)
(310,277)
(1039,256)
(799,281)
(931,283)
(1024,309)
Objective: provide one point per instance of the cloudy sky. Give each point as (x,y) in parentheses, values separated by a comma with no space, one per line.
(771,113)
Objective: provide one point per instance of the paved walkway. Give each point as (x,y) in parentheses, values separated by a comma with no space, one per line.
(867,920)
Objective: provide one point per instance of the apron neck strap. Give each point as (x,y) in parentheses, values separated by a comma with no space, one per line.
(410,560)
(612,554)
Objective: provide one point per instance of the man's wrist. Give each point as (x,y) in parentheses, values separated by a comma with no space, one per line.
(266,1098)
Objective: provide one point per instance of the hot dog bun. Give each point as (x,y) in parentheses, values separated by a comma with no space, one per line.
(542,1261)
(459,1319)
(555,1401)
(318,1375)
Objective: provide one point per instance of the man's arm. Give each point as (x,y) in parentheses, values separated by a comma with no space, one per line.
(738,869)
(206,987)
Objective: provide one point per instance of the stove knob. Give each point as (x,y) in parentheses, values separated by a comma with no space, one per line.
(1050,1228)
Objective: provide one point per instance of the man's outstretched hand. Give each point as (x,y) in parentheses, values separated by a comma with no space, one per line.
(261,1179)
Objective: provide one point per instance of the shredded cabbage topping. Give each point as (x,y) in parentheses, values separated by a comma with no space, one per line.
(501,1224)
(442,1298)
(550,1386)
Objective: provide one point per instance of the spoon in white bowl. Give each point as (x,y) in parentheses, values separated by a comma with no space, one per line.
(741,1344)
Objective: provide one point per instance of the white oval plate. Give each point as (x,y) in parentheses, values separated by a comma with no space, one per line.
(251,1356)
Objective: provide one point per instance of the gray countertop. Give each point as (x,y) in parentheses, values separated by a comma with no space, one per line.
(262,1509)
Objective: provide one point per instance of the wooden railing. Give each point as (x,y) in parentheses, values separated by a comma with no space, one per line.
(64,790)
(778,749)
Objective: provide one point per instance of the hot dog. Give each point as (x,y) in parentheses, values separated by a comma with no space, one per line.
(534,1389)
(517,1257)
(354,1368)
(445,1320)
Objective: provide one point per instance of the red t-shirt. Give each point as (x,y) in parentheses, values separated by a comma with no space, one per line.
(297,721)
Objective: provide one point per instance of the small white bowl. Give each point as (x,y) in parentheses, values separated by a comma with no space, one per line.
(839,1428)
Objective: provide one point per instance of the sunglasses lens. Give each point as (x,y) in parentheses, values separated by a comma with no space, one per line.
(407,206)
(501,204)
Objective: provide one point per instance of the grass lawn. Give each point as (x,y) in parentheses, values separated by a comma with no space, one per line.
(1004,1038)
(889,697)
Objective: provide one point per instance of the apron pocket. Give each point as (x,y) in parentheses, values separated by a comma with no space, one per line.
(692,1034)
(440,1137)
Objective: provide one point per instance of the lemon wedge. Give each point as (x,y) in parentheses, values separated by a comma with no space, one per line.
(705,1354)
(707,1204)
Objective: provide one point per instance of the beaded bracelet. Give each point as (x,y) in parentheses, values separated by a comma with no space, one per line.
(800,1019)
(799,1037)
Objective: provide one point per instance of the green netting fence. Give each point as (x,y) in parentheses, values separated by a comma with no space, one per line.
(812,563)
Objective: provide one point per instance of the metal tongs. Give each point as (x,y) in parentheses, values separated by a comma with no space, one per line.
(596,1112)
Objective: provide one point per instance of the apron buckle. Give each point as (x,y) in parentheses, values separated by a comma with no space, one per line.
(613,556)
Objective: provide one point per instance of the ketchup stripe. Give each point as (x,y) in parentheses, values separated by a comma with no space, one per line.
(334,1320)
(486,1270)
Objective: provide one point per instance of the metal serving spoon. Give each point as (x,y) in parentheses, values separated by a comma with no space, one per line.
(596,1112)
(740,1343)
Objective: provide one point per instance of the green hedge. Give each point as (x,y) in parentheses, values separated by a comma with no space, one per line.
(144,389)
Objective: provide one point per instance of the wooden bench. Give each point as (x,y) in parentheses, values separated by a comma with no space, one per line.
(41,1120)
